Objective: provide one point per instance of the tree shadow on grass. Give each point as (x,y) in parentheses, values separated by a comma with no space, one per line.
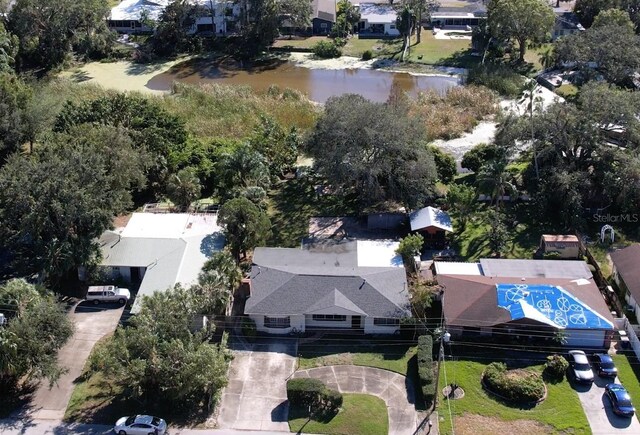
(460,59)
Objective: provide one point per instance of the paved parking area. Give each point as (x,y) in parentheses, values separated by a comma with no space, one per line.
(91,323)
(256,396)
(597,407)
(393,388)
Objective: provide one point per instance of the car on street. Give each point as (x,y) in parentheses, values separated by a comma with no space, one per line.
(579,367)
(140,425)
(603,365)
(620,400)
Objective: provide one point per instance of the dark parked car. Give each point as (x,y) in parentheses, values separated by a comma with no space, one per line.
(579,367)
(620,400)
(604,366)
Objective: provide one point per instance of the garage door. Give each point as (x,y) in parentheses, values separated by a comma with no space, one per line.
(579,338)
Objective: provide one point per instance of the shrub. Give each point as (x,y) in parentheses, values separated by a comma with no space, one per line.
(248,327)
(514,385)
(305,391)
(555,367)
(500,78)
(367,55)
(428,382)
(326,50)
(312,392)
(340,42)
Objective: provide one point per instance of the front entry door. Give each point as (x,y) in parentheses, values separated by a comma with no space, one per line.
(355,322)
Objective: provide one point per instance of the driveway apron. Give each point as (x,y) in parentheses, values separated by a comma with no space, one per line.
(393,388)
(256,395)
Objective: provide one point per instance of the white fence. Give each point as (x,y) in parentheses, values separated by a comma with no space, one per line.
(632,333)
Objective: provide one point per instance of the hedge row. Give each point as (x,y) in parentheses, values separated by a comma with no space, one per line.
(520,386)
(428,383)
(312,392)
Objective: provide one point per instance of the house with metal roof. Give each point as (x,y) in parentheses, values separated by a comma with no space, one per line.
(626,273)
(565,245)
(532,308)
(433,224)
(338,286)
(516,268)
(159,250)
(377,19)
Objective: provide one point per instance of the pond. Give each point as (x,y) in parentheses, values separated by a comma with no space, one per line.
(318,84)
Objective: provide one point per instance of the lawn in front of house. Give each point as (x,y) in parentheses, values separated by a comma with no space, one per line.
(561,412)
(297,42)
(390,355)
(629,375)
(360,414)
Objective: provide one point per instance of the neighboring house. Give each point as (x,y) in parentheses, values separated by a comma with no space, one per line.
(626,273)
(355,286)
(566,245)
(126,17)
(566,23)
(433,224)
(377,19)
(160,250)
(457,20)
(527,307)
(324,16)
(516,268)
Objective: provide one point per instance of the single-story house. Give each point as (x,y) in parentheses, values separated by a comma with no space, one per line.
(567,245)
(324,16)
(566,23)
(355,286)
(527,307)
(516,268)
(159,250)
(126,17)
(377,19)
(432,223)
(626,273)
(457,19)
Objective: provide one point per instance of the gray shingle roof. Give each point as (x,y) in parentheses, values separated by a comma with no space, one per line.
(627,264)
(303,282)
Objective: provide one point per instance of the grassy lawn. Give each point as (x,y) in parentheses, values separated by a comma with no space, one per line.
(94,400)
(561,412)
(393,357)
(568,90)
(629,374)
(524,235)
(293,202)
(361,414)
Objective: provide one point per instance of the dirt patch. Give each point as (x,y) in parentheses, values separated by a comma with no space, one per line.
(474,424)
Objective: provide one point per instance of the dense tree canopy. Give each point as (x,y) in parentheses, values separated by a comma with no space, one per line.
(245,225)
(172,32)
(56,202)
(614,17)
(612,50)
(8,49)
(159,360)
(38,327)
(524,21)
(347,16)
(374,150)
(277,145)
(15,97)
(48,31)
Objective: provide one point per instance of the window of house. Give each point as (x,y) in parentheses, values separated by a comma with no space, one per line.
(329,318)
(323,25)
(392,26)
(277,322)
(386,321)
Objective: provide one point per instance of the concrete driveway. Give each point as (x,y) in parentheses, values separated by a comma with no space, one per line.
(256,396)
(91,323)
(597,407)
(393,388)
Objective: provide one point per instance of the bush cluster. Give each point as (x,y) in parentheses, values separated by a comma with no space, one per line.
(555,367)
(327,49)
(514,385)
(367,55)
(428,382)
(500,78)
(305,392)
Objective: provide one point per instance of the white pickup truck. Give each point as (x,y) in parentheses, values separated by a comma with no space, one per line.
(108,293)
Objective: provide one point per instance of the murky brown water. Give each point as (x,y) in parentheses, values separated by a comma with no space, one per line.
(317,84)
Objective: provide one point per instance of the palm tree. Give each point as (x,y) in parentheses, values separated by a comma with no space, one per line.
(495,179)
(534,104)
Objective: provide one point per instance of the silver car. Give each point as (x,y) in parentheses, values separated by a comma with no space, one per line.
(140,425)
(580,368)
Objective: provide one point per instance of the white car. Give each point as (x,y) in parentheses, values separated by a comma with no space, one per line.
(140,425)
(108,293)
(580,367)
